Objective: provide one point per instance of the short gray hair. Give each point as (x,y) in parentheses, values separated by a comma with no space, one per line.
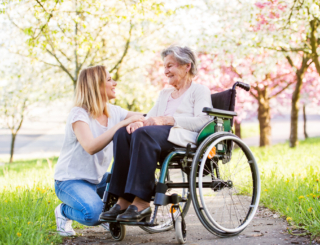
(184,55)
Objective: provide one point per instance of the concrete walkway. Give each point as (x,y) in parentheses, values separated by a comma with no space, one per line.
(266,228)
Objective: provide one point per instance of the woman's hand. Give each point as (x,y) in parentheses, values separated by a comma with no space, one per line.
(133,126)
(136,118)
(164,120)
(132,119)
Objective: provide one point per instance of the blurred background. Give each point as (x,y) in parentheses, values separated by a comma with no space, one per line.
(273,45)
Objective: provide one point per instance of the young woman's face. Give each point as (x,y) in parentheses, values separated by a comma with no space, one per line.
(110,87)
(175,72)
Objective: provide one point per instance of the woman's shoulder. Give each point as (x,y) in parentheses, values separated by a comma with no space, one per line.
(200,88)
(77,111)
(117,112)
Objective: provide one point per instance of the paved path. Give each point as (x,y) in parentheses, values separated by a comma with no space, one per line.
(266,228)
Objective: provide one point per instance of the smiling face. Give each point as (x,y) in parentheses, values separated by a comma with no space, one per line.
(174,71)
(110,87)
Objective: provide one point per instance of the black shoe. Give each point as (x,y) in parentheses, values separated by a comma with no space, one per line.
(132,214)
(112,213)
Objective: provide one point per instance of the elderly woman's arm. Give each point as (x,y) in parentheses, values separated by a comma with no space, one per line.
(202,98)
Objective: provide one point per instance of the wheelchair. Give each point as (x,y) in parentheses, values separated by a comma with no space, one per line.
(220,177)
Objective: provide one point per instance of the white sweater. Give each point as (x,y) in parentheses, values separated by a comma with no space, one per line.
(189,118)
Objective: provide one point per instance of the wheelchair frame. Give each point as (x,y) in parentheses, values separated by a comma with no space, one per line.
(214,135)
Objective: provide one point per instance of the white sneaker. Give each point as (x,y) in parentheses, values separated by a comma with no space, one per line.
(106,226)
(64,227)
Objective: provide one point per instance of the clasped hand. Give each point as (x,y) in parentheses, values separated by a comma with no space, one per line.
(148,122)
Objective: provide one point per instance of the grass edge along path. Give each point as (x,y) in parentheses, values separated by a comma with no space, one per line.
(290,183)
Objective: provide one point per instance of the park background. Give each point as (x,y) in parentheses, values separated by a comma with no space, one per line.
(273,45)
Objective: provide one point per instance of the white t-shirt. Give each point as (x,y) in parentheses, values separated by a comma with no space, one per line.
(74,162)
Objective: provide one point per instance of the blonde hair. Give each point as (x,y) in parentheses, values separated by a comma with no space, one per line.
(90,91)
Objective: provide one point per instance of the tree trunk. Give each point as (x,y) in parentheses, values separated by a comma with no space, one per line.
(305,122)
(264,117)
(237,128)
(13,139)
(314,43)
(295,111)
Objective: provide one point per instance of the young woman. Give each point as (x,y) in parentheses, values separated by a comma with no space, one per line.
(80,174)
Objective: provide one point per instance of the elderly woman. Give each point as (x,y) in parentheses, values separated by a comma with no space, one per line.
(175,119)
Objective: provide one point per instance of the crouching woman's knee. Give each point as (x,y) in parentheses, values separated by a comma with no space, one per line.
(92,213)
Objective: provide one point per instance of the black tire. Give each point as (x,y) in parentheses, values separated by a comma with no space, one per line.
(180,230)
(118,231)
(164,218)
(238,179)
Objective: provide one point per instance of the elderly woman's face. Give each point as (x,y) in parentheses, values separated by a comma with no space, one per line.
(174,71)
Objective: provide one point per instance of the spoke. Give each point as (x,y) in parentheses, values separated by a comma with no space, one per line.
(234,207)
(245,212)
(238,163)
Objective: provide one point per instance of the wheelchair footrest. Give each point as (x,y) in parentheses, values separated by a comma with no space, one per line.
(139,223)
(106,221)
(163,199)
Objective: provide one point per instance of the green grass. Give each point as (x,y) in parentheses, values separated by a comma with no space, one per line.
(27,203)
(290,182)
(249,130)
(290,186)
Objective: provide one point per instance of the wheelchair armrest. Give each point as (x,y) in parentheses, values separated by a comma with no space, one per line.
(219,113)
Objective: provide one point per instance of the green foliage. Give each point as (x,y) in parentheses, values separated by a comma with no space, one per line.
(27,203)
(290,182)
(72,35)
(136,96)
(249,130)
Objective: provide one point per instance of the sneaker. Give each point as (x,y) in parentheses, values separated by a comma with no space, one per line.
(106,226)
(64,227)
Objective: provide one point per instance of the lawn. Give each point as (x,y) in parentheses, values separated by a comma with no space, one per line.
(27,203)
(290,182)
(290,186)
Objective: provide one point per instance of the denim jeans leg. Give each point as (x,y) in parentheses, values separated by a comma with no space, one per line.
(80,201)
(102,186)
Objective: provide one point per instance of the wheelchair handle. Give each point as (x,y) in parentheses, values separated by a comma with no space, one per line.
(242,85)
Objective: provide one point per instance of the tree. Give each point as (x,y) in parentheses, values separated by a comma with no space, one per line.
(70,35)
(282,26)
(22,88)
(268,77)
(292,27)
(310,93)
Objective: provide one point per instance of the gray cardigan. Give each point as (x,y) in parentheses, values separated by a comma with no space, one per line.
(189,118)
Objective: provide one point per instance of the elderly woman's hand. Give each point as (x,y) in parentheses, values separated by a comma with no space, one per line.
(133,126)
(164,120)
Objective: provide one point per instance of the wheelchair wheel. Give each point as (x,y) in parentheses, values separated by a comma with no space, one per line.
(180,229)
(118,231)
(228,191)
(164,218)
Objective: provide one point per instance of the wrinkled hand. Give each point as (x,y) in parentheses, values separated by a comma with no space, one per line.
(133,126)
(153,121)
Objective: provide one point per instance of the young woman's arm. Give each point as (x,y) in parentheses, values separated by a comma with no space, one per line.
(93,145)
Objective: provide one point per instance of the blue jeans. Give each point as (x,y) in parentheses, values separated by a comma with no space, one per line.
(81,200)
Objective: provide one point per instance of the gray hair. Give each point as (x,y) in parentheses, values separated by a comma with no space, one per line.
(184,55)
